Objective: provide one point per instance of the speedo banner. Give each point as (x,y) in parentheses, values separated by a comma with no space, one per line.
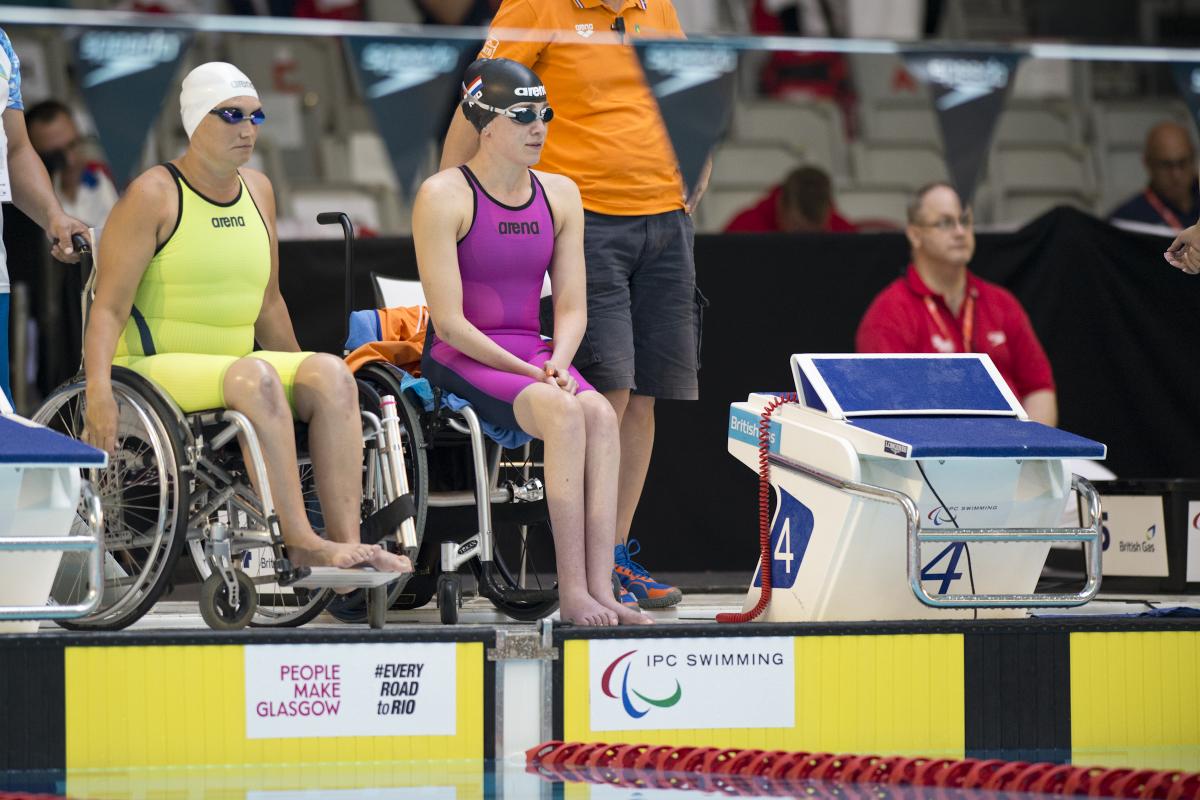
(693,83)
(969,89)
(124,74)
(407,83)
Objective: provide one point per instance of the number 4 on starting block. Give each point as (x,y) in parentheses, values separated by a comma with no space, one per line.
(790,532)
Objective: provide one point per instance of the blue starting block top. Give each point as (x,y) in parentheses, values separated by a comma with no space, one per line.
(28,444)
(932,406)
(872,385)
(978,437)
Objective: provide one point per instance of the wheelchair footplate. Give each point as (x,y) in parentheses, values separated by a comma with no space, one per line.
(352,578)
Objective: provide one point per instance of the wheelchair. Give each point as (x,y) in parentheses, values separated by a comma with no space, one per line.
(180,481)
(503,489)
(444,445)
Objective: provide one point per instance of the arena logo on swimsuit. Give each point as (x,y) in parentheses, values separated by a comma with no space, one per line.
(518,228)
(229,222)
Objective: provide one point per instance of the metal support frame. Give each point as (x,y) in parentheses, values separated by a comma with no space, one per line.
(453,555)
(92,545)
(1089,537)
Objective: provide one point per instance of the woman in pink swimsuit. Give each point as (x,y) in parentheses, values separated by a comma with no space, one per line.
(486,234)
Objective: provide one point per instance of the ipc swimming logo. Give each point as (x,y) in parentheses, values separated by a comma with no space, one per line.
(627,701)
(939,516)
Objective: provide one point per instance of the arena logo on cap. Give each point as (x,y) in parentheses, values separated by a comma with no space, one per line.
(530,91)
(118,54)
(403,66)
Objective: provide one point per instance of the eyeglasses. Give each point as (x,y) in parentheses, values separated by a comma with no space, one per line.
(233,116)
(522,116)
(1180,164)
(948,223)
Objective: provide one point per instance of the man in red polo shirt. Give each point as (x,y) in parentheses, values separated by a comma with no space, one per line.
(940,307)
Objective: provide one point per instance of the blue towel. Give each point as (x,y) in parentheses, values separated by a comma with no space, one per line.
(364,328)
(510,438)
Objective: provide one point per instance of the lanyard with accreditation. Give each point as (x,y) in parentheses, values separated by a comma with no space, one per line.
(1161,209)
(968,320)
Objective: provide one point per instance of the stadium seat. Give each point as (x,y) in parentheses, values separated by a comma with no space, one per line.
(812,128)
(1040,123)
(906,121)
(745,166)
(874,204)
(720,205)
(902,165)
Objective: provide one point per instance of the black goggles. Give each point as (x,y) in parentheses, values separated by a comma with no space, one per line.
(233,116)
(522,116)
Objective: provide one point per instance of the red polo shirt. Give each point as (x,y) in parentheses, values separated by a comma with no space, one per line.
(763,217)
(900,321)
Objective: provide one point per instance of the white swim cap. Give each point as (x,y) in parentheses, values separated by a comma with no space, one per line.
(206,86)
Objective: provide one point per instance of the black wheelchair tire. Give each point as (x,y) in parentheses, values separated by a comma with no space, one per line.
(126,380)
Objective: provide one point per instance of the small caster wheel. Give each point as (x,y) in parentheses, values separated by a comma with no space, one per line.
(377,606)
(215,608)
(449,593)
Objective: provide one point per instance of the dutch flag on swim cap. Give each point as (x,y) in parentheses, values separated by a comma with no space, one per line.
(475,89)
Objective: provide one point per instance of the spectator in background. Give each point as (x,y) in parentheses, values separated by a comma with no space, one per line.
(803,203)
(790,76)
(457,12)
(84,188)
(31,192)
(1171,197)
(940,307)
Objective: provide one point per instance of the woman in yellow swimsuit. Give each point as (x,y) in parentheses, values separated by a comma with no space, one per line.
(188,279)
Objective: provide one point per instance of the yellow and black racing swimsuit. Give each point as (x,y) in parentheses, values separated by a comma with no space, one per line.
(195,309)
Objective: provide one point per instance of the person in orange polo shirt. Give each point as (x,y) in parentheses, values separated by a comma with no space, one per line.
(643,326)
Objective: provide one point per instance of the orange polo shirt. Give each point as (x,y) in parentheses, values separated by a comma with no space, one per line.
(607,133)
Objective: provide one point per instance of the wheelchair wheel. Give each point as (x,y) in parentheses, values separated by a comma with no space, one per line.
(383,381)
(221,615)
(144,497)
(376,380)
(277,606)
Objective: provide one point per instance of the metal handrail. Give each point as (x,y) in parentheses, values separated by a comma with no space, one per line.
(92,545)
(1090,537)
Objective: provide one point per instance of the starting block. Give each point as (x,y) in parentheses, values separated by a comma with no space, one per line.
(41,518)
(912,487)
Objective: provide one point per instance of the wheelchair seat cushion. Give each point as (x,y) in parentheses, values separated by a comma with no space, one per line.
(195,381)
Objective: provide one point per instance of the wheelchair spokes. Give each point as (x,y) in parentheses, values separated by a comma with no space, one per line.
(140,494)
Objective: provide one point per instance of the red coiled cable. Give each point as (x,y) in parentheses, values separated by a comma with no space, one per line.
(764,513)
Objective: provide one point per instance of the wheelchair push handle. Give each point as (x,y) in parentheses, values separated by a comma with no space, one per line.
(80,243)
(343,219)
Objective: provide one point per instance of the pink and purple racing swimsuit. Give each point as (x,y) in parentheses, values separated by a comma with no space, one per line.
(503,261)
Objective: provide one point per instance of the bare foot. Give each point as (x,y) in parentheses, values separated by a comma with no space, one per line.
(626,615)
(584,610)
(324,553)
(387,561)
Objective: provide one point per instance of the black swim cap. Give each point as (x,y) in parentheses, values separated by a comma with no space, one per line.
(498,83)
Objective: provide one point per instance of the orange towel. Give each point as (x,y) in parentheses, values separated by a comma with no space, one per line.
(403,340)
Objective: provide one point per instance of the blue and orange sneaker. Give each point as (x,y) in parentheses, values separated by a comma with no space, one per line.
(636,580)
(623,597)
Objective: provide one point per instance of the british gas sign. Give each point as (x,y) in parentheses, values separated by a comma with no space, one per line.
(692,684)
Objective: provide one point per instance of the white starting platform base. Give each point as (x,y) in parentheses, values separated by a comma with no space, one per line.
(859,533)
(40,509)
